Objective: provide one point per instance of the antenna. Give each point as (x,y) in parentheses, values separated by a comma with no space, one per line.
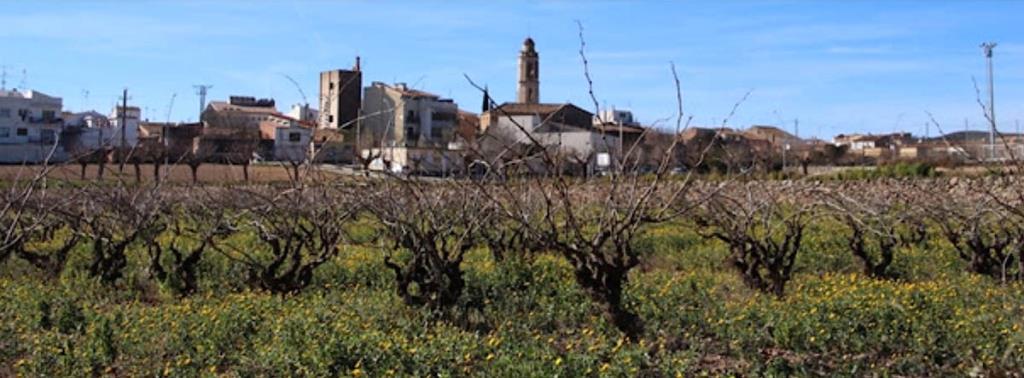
(3,78)
(987,49)
(782,123)
(201,90)
(85,99)
(297,87)
(170,106)
(24,80)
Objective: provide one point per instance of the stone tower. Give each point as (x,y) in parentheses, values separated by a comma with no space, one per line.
(529,75)
(341,97)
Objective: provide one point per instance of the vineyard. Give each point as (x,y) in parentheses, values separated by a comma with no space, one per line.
(619,276)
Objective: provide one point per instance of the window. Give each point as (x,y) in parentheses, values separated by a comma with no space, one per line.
(411,135)
(294,137)
(48,115)
(410,116)
(443,117)
(330,85)
(47,136)
(5,113)
(437,132)
(22,132)
(330,118)
(5,132)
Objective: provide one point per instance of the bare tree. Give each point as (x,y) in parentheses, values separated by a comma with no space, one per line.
(34,228)
(504,238)
(200,219)
(985,235)
(592,224)
(49,237)
(434,224)
(114,218)
(880,217)
(764,228)
(299,229)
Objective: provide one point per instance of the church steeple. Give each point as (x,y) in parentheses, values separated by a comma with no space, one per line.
(487,101)
(528,91)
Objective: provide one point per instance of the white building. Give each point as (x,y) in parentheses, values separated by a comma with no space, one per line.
(399,116)
(617,117)
(86,119)
(303,112)
(131,118)
(89,131)
(294,143)
(30,126)
(857,142)
(412,126)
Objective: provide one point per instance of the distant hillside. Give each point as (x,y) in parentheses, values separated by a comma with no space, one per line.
(970,136)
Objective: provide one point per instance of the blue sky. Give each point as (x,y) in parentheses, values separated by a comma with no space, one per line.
(837,66)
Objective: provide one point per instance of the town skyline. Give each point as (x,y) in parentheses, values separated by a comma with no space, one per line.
(838,68)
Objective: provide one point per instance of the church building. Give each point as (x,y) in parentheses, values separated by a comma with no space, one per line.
(565,125)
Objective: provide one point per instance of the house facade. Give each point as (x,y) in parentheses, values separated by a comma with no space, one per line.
(405,129)
(30,127)
(294,144)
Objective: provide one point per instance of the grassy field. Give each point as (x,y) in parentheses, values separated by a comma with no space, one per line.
(523,317)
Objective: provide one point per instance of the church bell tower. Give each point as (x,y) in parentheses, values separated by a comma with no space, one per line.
(528,91)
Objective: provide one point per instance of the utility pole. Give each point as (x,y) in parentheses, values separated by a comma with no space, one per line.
(987,48)
(124,126)
(201,91)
